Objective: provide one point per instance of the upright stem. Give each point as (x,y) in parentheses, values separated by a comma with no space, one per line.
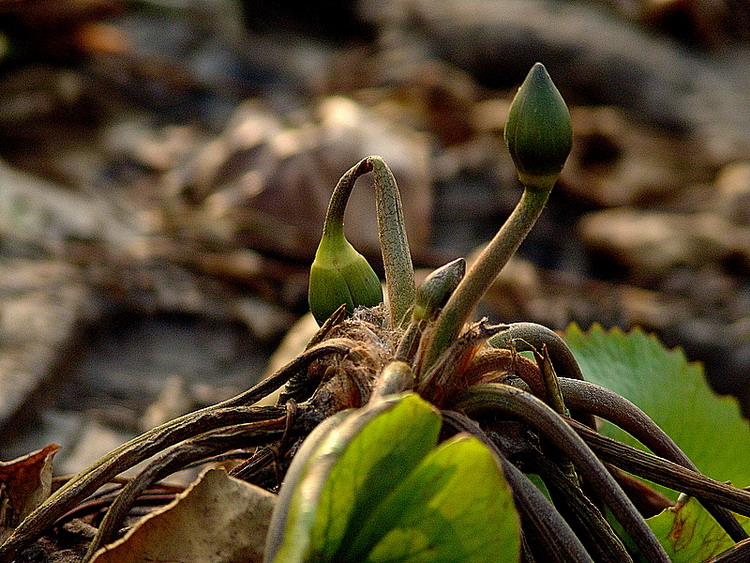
(399,271)
(485,269)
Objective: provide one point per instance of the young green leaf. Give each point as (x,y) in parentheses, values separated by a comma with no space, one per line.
(455,506)
(673,392)
(375,490)
(352,470)
(689,533)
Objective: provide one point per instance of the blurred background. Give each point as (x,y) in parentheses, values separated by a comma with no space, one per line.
(165,166)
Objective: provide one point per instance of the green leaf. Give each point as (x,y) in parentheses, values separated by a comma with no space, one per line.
(455,506)
(349,469)
(673,392)
(370,464)
(690,534)
(376,485)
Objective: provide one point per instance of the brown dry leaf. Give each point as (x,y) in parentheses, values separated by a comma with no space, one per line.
(25,483)
(217,519)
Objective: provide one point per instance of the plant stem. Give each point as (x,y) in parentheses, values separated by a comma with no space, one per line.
(539,518)
(664,472)
(142,447)
(612,407)
(528,337)
(522,336)
(394,244)
(334,221)
(202,446)
(490,397)
(399,271)
(483,272)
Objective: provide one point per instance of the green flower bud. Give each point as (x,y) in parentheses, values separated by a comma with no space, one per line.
(538,132)
(340,275)
(435,290)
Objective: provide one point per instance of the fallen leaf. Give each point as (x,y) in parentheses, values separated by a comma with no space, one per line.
(217,519)
(25,483)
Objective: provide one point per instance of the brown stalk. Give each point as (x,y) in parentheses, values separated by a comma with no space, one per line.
(609,405)
(664,472)
(494,397)
(174,459)
(231,411)
(552,534)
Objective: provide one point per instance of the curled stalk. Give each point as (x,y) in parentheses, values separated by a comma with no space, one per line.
(340,275)
(531,336)
(504,398)
(664,472)
(584,517)
(527,336)
(610,406)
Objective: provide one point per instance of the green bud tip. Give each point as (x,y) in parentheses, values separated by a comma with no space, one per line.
(340,275)
(538,132)
(434,291)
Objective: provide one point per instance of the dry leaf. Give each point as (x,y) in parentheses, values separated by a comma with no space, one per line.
(25,483)
(217,519)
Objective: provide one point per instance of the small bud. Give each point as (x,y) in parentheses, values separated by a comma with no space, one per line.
(538,132)
(340,275)
(435,290)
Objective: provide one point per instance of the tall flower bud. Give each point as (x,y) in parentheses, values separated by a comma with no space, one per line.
(538,132)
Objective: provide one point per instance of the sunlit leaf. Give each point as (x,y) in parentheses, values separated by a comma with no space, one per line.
(354,471)
(376,489)
(455,506)
(673,392)
(689,533)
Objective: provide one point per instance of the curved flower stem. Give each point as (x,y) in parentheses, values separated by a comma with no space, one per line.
(538,515)
(394,244)
(584,517)
(497,396)
(528,336)
(610,406)
(150,442)
(664,472)
(523,335)
(482,273)
(200,447)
